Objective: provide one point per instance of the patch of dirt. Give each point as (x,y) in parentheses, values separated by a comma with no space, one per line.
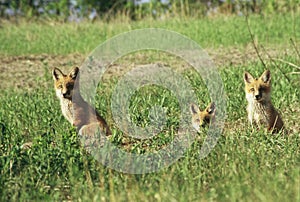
(245,55)
(25,72)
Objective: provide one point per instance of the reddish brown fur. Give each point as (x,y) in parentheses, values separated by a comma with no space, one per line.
(202,118)
(76,110)
(260,108)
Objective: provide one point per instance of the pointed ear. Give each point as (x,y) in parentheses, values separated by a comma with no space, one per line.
(73,74)
(194,109)
(248,78)
(266,76)
(57,74)
(211,108)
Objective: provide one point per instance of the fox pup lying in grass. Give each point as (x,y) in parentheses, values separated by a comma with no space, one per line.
(202,118)
(77,111)
(260,109)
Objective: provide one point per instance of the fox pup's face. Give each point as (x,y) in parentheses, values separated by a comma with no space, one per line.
(258,90)
(202,118)
(64,84)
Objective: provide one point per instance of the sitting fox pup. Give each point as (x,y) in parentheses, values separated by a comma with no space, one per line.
(260,109)
(77,111)
(202,118)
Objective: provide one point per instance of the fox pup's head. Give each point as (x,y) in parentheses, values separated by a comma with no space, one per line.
(202,118)
(258,90)
(64,84)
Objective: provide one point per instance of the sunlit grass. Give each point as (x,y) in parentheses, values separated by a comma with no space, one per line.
(245,164)
(60,38)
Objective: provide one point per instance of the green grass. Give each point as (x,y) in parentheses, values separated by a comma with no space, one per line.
(56,38)
(245,165)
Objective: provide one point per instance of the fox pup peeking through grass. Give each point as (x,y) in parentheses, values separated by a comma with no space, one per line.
(77,111)
(202,118)
(260,108)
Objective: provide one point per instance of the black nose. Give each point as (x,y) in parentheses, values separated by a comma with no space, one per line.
(258,96)
(66,94)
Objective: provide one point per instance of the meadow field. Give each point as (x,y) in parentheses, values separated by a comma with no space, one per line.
(245,165)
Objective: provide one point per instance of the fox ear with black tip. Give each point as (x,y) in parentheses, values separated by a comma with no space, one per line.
(74,72)
(194,109)
(266,76)
(248,78)
(57,74)
(211,108)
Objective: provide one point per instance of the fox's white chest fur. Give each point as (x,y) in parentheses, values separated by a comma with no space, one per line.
(67,109)
(258,113)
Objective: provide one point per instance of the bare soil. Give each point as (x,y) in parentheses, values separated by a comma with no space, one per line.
(25,72)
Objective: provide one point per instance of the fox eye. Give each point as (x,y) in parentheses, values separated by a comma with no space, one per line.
(252,89)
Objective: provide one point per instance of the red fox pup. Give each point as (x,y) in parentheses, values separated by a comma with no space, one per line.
(260,108)
(202,118)
(77,111)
